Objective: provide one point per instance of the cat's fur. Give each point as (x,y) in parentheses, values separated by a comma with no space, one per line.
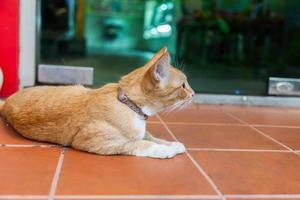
(94,120)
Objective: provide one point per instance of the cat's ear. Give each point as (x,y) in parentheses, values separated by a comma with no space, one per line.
(160,66)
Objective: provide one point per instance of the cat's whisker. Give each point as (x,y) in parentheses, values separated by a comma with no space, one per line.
(188,103)
(174,109)
(182,106)
(177,106)
(185,104)
(171,108)
(166,111)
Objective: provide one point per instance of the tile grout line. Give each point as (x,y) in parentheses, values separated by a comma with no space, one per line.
(22,197)
(267,136)
(28,145)
(56,175)
(275,126)
(262,133)
(232,196)
(239,150)
(225,124)
(191,197)
(114,197)
(197,165)
(197,123)
(209,180)
(249,109)
(271,138)
(131,197)
(262,196)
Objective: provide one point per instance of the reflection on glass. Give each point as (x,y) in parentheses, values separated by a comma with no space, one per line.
(158,19)
(224,46)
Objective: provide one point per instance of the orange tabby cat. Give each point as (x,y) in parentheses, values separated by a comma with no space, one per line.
(109,120)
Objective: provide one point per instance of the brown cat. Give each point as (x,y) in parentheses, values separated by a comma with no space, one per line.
(109,120)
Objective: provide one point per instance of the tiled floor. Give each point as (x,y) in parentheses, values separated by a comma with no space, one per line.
(234,153)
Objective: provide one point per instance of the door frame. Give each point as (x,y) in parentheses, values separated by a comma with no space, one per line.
(28,44)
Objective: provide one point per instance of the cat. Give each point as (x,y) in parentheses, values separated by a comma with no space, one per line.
(109,120)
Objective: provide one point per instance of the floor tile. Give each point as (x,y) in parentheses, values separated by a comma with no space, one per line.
(268,118)
(229,137)
(287,136)
(252,173)
(27,170)
(198,114)
(10,136)
(84,173)
(159,131)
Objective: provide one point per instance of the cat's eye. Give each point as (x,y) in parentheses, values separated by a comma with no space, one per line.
(183,85)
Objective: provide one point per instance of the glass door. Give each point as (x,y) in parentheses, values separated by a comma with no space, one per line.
(224,46)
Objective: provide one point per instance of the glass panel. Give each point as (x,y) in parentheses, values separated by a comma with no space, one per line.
(224,46)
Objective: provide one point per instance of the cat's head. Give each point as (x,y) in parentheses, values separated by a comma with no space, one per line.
(157,85)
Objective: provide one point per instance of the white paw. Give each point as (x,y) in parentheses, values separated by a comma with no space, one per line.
(157,151)
(180,148)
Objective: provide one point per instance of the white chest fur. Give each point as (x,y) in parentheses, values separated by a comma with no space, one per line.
(148,111)
(140,127)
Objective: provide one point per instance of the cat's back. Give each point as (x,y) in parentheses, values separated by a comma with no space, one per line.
(43,100)
(47,92)
(46,113)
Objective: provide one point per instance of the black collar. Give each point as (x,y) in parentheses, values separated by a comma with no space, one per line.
(125,99)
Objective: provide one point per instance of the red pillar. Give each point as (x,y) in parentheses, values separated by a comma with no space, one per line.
(9,45)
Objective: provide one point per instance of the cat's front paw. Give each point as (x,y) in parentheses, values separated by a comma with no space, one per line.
(178,146)
(157,151)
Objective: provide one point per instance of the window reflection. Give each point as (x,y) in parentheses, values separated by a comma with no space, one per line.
(227,46)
